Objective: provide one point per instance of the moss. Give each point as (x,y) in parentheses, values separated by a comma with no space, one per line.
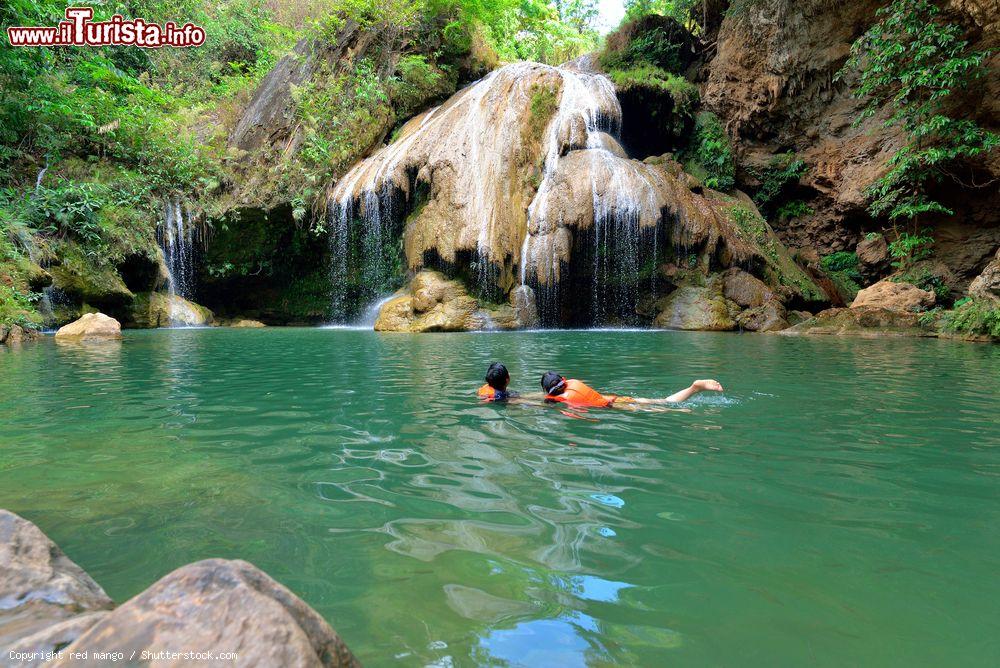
(18,308)
(544,104)
(683,92)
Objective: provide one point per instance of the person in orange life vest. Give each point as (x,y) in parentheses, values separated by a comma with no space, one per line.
(497,380)
(578,394)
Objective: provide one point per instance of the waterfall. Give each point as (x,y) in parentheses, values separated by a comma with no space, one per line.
(176,237)
(369,241)
(482,189)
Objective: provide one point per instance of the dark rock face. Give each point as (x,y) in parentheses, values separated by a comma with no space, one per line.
(39,585)
(216,606)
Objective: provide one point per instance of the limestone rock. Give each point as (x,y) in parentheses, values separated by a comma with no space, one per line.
(744,289)
(525,307)
(39,585)
(91,327)
(865,322)
(894,296)
(50,638)
(245,323)
(433,303)
(217,606)
(873,254)
(161,309)
(696,308)
(768,317)
(15,334)
(986,286)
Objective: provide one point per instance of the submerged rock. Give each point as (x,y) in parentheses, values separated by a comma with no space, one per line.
(894,296)
(215,606)
(91,327)
(41,587)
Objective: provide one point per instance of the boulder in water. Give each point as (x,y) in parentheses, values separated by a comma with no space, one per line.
(744,289)
(246,323)
(215,606)
(41,587)
(767,317)
(161,309)
(15,334)
(864,322)
(91,327)
(697,308)
(894,296)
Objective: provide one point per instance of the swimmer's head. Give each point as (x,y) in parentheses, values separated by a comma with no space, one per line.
(553,383)
(497,376)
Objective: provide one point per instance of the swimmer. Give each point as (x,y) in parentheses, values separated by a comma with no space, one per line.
(577,394)
(497,380)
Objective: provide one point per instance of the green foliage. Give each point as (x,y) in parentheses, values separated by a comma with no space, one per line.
(912,62)
(712,153)
(843,269)
(973,316)
(679,10)
(18,308)
(782,171)
(871,236)
(793,209)
(649,48)
(683,93)
(751,225)
(909,248)
(924,279)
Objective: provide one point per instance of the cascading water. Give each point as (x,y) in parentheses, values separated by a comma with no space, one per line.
(480,208)
(176,237)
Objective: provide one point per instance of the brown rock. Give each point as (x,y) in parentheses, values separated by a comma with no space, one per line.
(744,289)
(873,254)
(49,639)
(987,285)
(246,323)
(39,585)
(433,303)
(91,327)
(217,606)
(768,317)
(865,322)
(696,308)
(894,296)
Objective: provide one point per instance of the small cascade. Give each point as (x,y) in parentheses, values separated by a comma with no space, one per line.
(177,236)
(362,256)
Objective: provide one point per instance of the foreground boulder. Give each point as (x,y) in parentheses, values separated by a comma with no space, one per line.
(770,316)
(41,588)
(217,606)
(91,327)
(894,296)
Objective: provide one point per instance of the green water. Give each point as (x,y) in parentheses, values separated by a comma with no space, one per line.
(837,506)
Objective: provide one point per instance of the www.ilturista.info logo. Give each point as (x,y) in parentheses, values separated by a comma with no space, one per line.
(79,30)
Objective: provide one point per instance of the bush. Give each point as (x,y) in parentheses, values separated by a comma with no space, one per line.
(711,153)
(909,248)
(782,171)
(973,316)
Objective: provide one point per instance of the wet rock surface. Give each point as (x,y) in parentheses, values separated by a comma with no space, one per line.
(864,322)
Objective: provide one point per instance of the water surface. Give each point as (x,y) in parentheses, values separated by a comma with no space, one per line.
(837,506)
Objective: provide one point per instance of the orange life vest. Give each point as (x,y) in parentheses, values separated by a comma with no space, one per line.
(578,393)
(486,392)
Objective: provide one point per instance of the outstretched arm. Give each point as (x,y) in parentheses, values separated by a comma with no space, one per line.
(695,387)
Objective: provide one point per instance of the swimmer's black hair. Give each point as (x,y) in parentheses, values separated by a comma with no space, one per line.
(497,376)
(551,381)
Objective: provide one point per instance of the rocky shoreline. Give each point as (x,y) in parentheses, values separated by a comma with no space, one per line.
(53,613)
